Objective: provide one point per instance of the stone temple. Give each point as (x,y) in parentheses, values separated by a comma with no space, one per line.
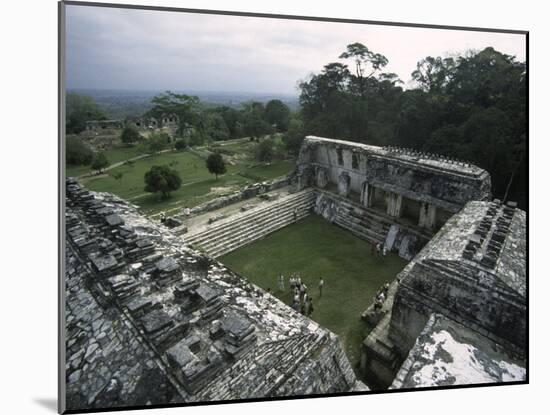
(153,319)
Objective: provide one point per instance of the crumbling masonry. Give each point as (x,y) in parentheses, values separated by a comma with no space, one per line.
(151,320)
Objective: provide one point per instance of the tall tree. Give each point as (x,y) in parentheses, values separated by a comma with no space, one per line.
(130,135)
(215,164)
(78,152)
(81,108)
(163,180)
(100,162)
(277,114)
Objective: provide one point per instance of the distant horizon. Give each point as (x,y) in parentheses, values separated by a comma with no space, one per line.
(184,91)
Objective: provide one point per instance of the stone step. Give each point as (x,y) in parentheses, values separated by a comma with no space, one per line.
(245,232)
(248,216)
(362,233)
(251,213)
(255,234)
(368,223)
(239,227)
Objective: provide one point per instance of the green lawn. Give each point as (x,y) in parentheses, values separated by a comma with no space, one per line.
(114,156)
(198,184)
(275,169)
(314,248)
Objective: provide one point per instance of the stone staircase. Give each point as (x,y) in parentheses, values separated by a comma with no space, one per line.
(367,223)
(246,227)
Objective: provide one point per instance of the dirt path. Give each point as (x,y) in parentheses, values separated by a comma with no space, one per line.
(118,164)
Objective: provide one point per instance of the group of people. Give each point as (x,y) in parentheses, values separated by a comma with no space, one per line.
(301,300)
(381,296)
(378,248)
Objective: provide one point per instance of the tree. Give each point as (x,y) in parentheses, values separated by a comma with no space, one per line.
(215,164)
(163,180)
(434,74)
(264,151)
(256,127)
(294,136)
(215,127)
(365,60)
(233,120)
(278,114)
(130,135)
(100,162)
(81,108)
(180,145)
(77,152)
(158,142)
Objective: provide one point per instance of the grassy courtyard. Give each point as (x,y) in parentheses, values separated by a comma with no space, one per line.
(315,248)
(198,184)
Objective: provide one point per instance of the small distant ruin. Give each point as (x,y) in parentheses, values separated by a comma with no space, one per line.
(104,125)
(141,122)
(149,304)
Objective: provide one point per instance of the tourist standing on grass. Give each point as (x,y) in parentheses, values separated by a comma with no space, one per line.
(309,308)
(384,250)
(306,308)
(281,282)
(378,248)
(303,289)
(321,285)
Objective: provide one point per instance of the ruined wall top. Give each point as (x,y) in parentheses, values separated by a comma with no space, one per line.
(419,158)
(140,298)
(426,177)
(446,354)
(474,272)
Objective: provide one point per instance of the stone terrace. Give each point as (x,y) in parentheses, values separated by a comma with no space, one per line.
(149,320)
(446,353)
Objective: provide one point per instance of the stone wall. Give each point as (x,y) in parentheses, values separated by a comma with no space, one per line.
(447,353)
(150,320)
(473,272)
(353,167)
(245,193)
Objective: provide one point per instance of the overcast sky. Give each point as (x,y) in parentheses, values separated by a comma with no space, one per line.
(151,50)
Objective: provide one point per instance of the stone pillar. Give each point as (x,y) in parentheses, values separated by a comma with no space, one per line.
(367,194)
(427,217)
(394,204)
(321,177)
(343,183)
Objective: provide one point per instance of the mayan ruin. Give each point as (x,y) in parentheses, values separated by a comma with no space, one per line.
(266,207)
(144,307)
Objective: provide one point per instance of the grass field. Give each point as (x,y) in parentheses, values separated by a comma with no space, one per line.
(315,248)
(114,156)
(198,184)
